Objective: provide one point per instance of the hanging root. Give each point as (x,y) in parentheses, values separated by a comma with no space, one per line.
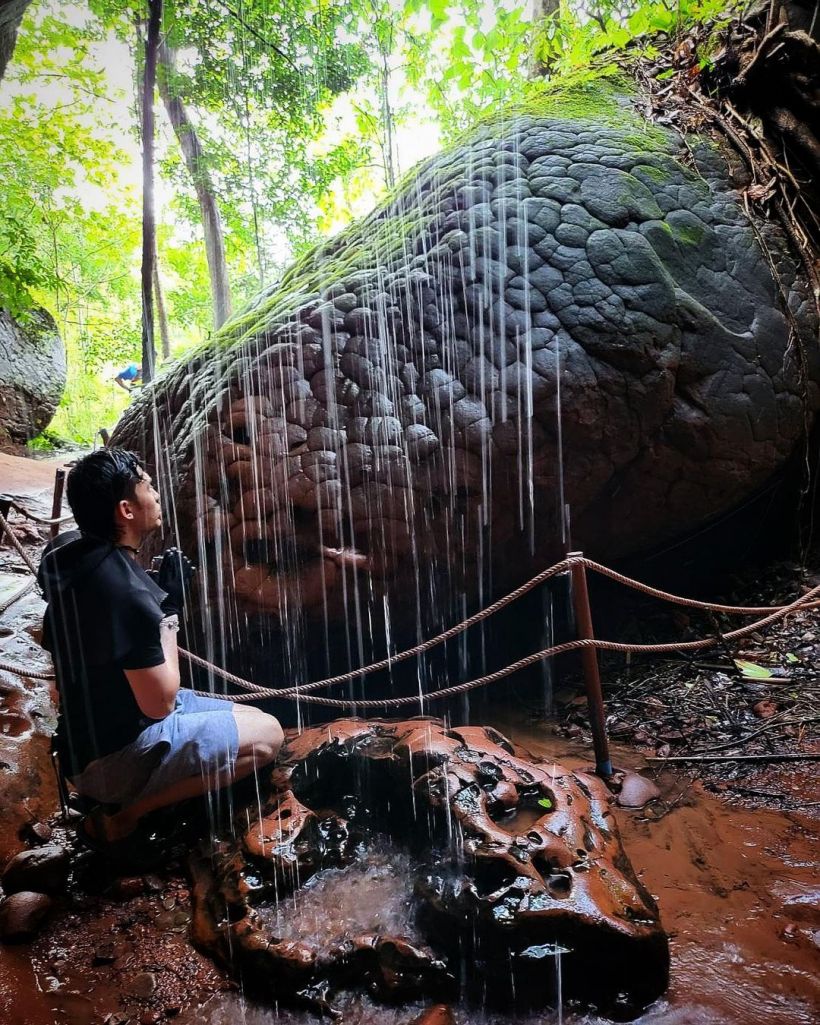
(756,82)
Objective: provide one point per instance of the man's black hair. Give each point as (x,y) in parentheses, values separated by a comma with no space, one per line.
(96,485)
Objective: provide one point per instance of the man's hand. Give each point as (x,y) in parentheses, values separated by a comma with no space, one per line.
(172,572)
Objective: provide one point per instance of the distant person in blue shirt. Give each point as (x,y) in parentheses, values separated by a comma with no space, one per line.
(129,378)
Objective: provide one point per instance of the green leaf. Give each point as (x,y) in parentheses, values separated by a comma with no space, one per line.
(545,802)
(752,671)
(791,658)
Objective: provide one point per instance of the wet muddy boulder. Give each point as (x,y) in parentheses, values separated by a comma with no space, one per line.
(512,870)
(44,869)
(568,310)
(22,914)
(32,374)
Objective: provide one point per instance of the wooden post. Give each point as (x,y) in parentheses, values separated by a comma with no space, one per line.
(57,503)
(589,660)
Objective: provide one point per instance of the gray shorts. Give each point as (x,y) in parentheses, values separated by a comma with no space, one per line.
(199,738)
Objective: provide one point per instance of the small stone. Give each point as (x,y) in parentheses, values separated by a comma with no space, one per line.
(37,833)
(106,953)
(129,887)
(438,1014)
(43,870)
(765,709)
(150,1017)
(636,791)
(22,914)
(142,985)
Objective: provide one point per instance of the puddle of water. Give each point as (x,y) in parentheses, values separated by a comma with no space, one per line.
(371,896)
(520,820)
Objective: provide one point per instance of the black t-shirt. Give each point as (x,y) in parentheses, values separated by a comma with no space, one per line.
(102,618)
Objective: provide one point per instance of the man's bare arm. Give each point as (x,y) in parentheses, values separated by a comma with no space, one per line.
(155,689)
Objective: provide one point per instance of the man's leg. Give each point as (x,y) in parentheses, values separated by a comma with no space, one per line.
(260,738)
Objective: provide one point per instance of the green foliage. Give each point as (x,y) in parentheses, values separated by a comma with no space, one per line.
(300,109)
(752,671)
(572,46)
(69,228)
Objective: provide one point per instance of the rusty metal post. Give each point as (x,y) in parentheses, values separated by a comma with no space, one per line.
(589,660)
(57,503)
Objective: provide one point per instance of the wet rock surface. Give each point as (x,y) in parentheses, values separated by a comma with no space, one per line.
(516,859)
(399,387)
(32,374)
(44,869)
(21,915)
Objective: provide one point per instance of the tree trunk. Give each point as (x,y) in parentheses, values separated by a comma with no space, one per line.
(387,118)
(149,227)
(540,10)
(11,14)
(162,313)
(205,193)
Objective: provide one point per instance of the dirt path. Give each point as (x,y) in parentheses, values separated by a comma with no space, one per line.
(27,477)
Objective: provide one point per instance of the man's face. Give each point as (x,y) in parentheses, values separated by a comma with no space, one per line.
(145,505)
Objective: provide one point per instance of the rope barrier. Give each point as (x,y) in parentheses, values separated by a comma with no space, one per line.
(297,693)
(15,544)
(304,693)
(33,674)
(20,593)
(391,660)
(301,692)
(46,521)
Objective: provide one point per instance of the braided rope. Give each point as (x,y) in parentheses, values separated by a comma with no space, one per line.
(46,521)
(34,674)
(806,601)
(21,593)
(302,692)
(391,660)
(16,545)
(676,599)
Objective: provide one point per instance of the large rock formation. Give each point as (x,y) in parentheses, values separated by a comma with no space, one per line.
(32,374)
(570,309)
(516,860)
(11,14)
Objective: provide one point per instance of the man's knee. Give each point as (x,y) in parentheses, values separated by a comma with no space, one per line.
(266,738)
(275,738)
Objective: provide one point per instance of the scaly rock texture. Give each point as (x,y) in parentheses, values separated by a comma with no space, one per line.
(11,14)
(514,858)
(570,309)
(32,374)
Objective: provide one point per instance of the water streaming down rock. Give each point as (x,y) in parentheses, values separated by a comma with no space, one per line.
(497,865)
(560,311)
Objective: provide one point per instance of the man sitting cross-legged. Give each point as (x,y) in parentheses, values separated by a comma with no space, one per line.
(127,735)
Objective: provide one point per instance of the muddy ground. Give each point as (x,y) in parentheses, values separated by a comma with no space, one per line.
(729,849)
